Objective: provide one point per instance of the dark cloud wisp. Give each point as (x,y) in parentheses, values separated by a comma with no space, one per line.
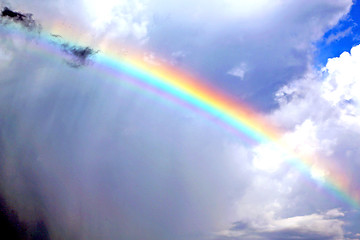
(25,19)
(80,56)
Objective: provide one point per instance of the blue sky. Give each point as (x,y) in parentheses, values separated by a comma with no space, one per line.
(84,155)
(340,38)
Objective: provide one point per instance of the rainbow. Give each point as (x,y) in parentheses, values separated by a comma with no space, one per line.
(177,86)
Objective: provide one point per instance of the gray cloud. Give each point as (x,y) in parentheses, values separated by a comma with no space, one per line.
(80,151)
(276,45)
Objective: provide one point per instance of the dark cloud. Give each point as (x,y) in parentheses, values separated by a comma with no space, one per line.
(12,228)
(80,55)
(25,19)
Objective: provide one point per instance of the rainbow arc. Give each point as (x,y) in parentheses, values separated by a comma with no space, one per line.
(171,83)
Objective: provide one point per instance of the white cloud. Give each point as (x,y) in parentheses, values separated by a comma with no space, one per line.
(333,213)
(302,142)
(319,113)
(342,85)
(91,22)
(333,99)
(239,71)
(313,226)
(113,20)
(328,102)
(268,158)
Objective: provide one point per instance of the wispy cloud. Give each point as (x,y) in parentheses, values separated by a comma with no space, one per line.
(239,71)
(339,35)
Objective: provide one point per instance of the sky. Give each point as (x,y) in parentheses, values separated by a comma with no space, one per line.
(93,147)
